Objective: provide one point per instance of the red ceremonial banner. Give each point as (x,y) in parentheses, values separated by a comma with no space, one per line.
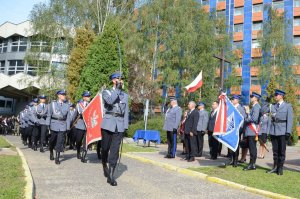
(92,116)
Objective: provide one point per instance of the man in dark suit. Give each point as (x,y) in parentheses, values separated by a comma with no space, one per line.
(190,131)
(213,142)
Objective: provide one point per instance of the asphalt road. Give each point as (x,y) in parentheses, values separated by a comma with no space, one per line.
(73,179)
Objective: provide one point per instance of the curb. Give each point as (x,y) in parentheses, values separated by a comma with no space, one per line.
(29,187)
(203,176)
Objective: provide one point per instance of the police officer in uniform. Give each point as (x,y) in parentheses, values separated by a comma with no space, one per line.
(201,128)
(59,121)
(114,124)
(41,120)
(34,121)
(23,124)
(235,100)
(171,125)
(80,128)
(280,131)
(252,122)
(31,124)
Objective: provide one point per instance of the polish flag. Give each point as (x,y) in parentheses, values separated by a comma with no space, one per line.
(197,83)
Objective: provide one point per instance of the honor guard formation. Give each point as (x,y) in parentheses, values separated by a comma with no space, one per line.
(59,125)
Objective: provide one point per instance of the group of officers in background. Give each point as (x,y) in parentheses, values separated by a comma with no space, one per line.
(43,124)
(275,120)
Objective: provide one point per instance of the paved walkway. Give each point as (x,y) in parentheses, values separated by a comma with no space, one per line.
(73,179)
(292,157)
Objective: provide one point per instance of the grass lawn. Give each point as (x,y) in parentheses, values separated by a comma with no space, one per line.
(288,184)
(137,148)
(12,181)
(4,143)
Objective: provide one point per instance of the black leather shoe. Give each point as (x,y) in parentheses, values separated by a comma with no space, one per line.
(78,156)
(191,159)
(42,150)
(83,160)
(250,167)
(51,155)
(235,163)
(167,156)
(280,171)
(274,170)
(111,179)
(57,154)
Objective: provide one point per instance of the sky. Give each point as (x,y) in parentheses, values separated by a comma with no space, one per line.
(16,11)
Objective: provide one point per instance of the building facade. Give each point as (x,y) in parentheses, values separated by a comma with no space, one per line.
(18,80)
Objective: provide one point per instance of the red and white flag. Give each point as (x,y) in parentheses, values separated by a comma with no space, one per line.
(197,83)
(92,116)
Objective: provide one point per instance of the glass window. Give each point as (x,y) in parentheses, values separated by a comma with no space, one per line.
(254,80)
(297,41)
(237,64)
(221,0)
(296,3)
(2,66)
(278,5)
(257,8)
(3,45)
(40,46)
(205,2)
(16,66)
(8,104)
(239,11)
(18,44)
(255,44)
(2,103)
(237,45)
(221,13)
(297,21)
(238,28)
(257,26)
(297,79)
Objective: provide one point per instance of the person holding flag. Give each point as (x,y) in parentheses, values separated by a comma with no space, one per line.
(114,123)
(80,127)
(253,129)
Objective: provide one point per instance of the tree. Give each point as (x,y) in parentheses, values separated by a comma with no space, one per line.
(290,97)
(174,41)
(103,59)
(82,41)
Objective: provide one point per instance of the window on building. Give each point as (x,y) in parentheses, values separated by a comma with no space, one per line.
(205,2)
(19,44)
(238,28)
(296,3)
(237,45)
(16,66)
(254,80)
(257,26)
(3,45)
(8,104)
(297,21)
(297,79)
(2,66)
(256,61)
(297,41)
(60,47)
(2,103)
(239,11)
(257,8)
(255,44)
(221,0)
(221,13)
(237,64)
(278,5)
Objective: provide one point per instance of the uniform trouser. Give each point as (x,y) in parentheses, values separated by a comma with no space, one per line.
(235,155)
(191,144)
(279,148)
(22,132)
(172,143)
(57,141)
(252,149)
(200,141)
(214,145)
(71,137)
(43,131)
(28,133)
(80,139)
(35,135)
(110,146)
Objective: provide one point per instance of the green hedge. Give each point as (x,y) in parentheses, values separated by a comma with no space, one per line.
(155,123)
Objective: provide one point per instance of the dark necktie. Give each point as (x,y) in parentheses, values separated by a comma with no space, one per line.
(277,106)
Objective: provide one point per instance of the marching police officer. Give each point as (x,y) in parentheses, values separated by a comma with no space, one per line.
(23,124)
(33,120)
(41,120)
(252,128)
(59,121)
(30,120)
(201,128)
(235,100)
(171,125)
(114,124)
(80,128)
(280,131)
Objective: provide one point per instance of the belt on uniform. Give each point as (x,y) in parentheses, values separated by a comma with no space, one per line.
(115,114)
(280,121)
(59,119)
